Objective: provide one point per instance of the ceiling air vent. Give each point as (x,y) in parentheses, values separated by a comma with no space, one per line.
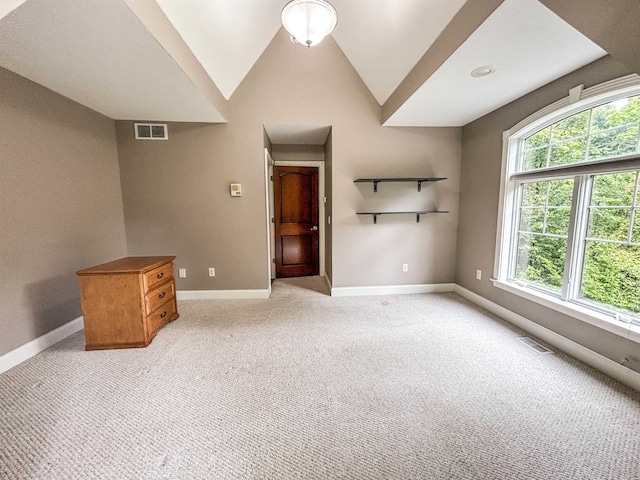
(151,131)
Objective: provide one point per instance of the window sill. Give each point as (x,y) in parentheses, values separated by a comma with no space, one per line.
(578,312)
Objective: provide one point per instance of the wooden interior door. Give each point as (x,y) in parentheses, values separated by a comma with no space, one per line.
(296,221)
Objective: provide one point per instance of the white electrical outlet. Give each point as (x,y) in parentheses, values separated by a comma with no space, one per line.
(182,273)
(405,267)
(478,274)
(212,272)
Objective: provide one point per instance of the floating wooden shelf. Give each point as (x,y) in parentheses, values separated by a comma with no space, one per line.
(416,213)
(419,181)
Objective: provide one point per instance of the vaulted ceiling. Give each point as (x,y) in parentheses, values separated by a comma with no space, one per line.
(181,60)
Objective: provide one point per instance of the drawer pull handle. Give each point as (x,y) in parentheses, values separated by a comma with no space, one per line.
(162,295)
(163,314)
(160,275)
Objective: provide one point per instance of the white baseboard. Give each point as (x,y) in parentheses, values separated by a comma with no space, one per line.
(391,289)
(34,347)
(221,294)
(607,366)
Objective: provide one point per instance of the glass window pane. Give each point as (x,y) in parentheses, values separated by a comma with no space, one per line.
(611,266)
(612,143)
(609,223)
(611,275)
(560,193)
(534,194)
(541,260)
(613,189)
(524,253)
(157,131)
(538,139)
(535,158)
(573,126)
(616,113)
(568,152)
(558,221)
(532,220)
(144,131)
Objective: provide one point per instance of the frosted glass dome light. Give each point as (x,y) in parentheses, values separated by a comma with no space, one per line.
(309,21)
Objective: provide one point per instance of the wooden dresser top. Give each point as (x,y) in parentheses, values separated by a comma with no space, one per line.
(127,265)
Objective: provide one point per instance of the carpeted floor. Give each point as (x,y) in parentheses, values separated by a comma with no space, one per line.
(312,387)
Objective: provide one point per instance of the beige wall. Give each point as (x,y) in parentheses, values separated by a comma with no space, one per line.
(60,206)
(367,254)
(480,183)
(305,153)
(176,195)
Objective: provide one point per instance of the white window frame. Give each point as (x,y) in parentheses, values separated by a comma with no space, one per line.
(165,129)
(579,99)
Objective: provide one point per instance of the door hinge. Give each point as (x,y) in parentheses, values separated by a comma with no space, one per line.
(274,260)
(271,178)
(273,220)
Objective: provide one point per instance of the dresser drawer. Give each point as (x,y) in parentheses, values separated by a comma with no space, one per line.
(156,297)
(161,316)
(157,276)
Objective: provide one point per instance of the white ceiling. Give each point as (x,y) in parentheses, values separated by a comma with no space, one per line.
(227,36)
(528,44)
(100,54)
(384,39)
(298,134)
(7,6)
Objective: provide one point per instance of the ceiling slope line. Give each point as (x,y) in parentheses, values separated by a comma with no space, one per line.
(160,27)
(472,14)
(266,47)
(227,37)
(8,6)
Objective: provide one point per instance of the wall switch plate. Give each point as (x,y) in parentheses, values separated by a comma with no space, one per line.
(405,267)
(212,272)
(236,190)
(478,274)
(182,273)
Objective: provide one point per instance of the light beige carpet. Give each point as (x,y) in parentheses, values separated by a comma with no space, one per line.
(312,387)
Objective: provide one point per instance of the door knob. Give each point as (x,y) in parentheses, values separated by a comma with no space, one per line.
(314,228)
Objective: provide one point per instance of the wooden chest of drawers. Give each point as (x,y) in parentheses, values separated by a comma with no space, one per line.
(126,302)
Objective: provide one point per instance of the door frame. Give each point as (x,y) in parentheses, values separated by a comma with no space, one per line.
(268,171)
(271,238)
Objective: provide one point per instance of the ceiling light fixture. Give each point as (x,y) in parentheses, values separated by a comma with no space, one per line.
(483,71)
(309,21)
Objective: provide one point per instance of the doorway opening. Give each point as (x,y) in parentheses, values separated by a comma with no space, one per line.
(297,158)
